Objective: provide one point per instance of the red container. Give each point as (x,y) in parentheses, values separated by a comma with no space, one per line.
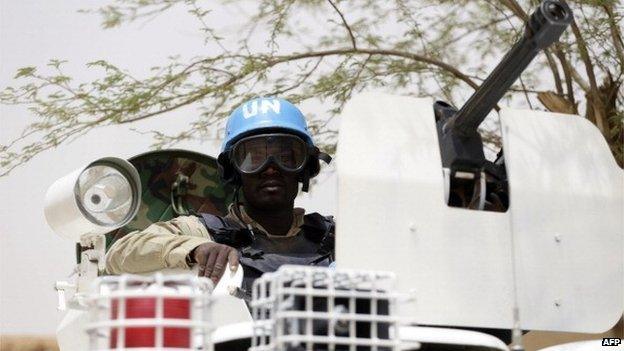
(145,336)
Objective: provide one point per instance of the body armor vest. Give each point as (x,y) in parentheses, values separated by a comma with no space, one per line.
(259,253)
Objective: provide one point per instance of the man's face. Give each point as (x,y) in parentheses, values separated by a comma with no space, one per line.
(270,189)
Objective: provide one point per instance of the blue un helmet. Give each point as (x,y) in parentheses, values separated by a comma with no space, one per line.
(257,130)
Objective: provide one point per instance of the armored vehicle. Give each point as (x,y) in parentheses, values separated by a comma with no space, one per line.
(436,247)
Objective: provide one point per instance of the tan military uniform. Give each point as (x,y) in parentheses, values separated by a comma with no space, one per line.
(167,244)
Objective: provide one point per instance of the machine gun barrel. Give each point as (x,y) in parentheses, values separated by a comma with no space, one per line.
(544,27)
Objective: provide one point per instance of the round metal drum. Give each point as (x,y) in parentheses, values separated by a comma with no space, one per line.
(174,183)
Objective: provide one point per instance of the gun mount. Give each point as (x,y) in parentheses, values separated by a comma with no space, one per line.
(461,146)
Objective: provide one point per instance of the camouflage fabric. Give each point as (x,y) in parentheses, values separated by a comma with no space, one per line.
(173,183)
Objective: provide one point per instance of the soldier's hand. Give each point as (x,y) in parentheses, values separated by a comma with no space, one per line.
(213,258)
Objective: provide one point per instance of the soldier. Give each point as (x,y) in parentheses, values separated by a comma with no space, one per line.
(266,153)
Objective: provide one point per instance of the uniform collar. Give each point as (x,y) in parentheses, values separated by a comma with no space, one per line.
(298,214)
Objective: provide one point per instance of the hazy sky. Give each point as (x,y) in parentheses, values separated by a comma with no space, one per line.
(32,258)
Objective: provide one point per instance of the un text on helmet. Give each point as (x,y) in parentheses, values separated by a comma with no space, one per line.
(250,109)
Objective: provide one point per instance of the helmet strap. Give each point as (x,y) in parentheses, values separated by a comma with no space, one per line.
(239,215)
(305,180)
(237,203)
(325,157)
(236,179)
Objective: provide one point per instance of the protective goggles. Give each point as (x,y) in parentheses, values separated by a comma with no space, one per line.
(253,154)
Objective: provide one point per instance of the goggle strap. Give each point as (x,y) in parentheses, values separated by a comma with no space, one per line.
(316,152)
(325,157)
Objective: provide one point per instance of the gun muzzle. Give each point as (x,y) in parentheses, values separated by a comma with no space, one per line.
(548,22)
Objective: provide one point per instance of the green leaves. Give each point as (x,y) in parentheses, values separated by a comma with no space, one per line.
(25,72)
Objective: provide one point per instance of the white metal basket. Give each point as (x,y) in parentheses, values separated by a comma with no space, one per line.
(311,308)
(156,312)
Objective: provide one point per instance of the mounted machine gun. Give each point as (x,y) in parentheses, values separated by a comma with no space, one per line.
(474,181)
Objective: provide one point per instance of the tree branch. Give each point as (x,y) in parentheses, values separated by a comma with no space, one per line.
(567,72)
(349,51)
(344,21)
(526,94)
(299,81)
(196,97)
(555,71)
(616,35)
(516,9)
(595,108)
(582,46)
(295,57)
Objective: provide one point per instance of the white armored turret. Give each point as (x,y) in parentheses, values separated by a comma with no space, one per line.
(558,251)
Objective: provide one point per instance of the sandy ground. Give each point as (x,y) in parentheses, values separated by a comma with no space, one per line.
(537,340)
(28,343)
